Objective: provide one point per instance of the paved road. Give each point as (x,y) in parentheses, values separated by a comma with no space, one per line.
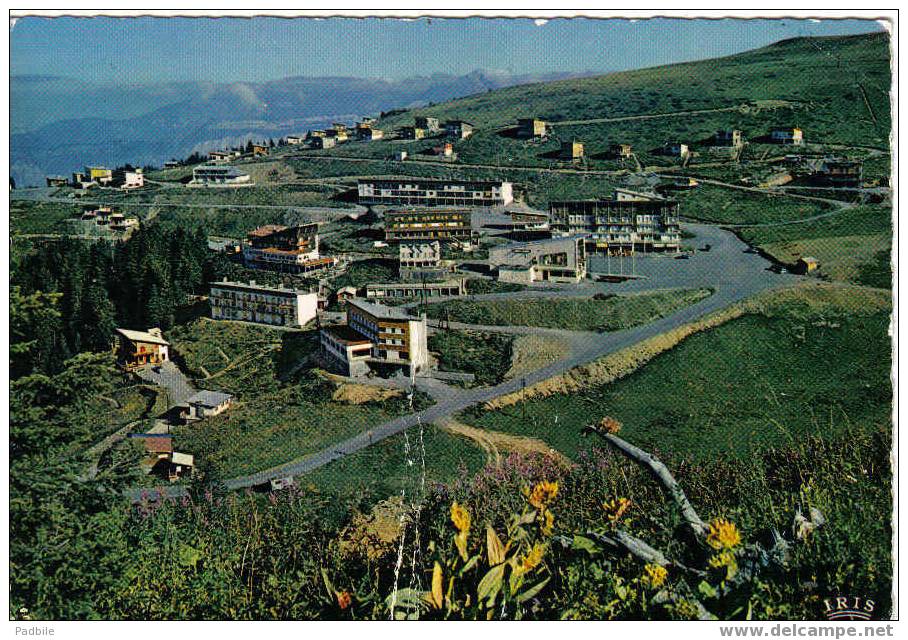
(734,274)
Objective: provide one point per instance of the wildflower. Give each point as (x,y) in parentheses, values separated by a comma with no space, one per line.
(654,575)
(615,509)
(531,560)
(610,425)
(461,518)
(548,523)
(344,599)
(543,494)
(725,559)
(723,534)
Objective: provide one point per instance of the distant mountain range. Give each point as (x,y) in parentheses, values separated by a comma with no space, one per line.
(60,124)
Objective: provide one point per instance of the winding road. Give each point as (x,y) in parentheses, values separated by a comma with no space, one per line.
(733,272)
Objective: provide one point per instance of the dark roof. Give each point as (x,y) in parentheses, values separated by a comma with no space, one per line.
(155,442)
(209,398)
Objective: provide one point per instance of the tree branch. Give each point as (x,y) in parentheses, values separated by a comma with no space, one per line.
(662,474)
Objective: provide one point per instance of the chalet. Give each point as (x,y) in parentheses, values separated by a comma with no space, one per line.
(57,181)
(324,142)
(158,449)
(572,151)
(531,128)
(728,138)
(371,134)
(101,175)
(787,135)
(412,133)
(620,150)
(807,264)
(136,349)
(181,464)
(288,249)
(171,164)
(315,133)
(216,157)
(339,133)
(840,172)
(429,124)
(344,294)
(675,149)
(294,140)
(458,129)
(206,404)
(259,150)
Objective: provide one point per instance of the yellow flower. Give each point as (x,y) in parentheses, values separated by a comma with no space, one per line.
(460,517)
(723,534)
(614,509)
(610,425)
(654,575)
(531,560)
(543,493)
(726,559)
(548,523)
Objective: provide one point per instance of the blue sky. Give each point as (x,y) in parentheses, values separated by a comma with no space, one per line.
(150,50)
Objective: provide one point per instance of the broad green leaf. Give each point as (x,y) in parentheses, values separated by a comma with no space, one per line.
(494,548)
(532,591)
(490,584)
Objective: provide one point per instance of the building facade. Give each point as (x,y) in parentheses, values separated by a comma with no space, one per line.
(420,290)
(572,150)
(626,223)
(289,249)
(376,335)
(206,404)
(412,133)
(210,175)
(428,224)
(136,349)
(549,260)
(433,193)
(728,138)
(787,135)
(458,129)
(432,125)
(250,302)
(531,128)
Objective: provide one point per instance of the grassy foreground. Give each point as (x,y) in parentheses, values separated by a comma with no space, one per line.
(608,313)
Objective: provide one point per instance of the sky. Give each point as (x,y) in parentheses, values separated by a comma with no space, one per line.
(154,50)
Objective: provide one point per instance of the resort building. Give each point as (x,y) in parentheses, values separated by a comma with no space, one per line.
(549,260)
(206,404)
(101,175)
(259,150)
(419,254)
(420,290)
(294,140)
(428,224)
(57,181)
(376,335)
(128,178)
(136,349)
(289,249)
(432,193)
(211,175)
(219,157)
(370,135)
(628,222)
(840,172)
(263,305)
(787,135)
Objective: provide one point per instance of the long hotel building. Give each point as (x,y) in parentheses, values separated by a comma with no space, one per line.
(435,193)
(628,222)
(428,224)
(264,305)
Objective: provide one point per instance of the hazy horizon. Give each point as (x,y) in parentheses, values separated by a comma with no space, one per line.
(141,51)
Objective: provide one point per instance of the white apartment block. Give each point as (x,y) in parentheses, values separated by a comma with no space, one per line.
(263,305)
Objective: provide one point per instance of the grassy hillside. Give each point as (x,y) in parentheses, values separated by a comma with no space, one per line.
(820,80)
